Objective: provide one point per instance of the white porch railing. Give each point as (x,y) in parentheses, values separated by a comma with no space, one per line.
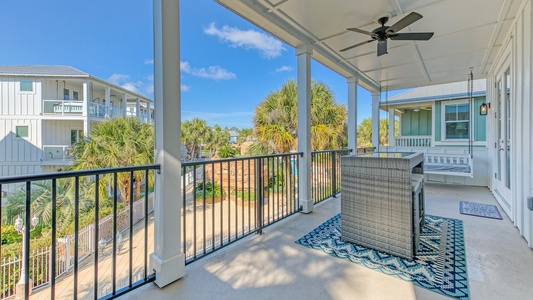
(62,107)
(413,141)
(56,152)
(116,112)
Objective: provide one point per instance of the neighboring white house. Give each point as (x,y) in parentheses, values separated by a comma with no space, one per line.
(44,110)
(439,119)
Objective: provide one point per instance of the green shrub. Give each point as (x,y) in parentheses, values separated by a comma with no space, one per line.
(210,190)
(226,152)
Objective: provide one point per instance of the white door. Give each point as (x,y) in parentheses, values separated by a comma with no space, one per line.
(504,143)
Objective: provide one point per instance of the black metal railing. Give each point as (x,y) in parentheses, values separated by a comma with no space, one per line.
(326,172)
(82,197)
(226,200)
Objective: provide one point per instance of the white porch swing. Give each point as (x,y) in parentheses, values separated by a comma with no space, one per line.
(455,164)
(442,163)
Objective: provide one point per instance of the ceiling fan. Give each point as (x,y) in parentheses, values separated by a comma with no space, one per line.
(381,34)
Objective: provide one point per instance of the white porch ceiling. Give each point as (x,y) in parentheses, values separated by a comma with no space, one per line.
(468,33)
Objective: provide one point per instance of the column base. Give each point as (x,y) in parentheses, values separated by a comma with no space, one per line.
(307,206)
(20,288)
(167,270)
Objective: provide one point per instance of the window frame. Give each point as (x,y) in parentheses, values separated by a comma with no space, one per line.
(444,136)
(26,80)
(79,137)
(17,137)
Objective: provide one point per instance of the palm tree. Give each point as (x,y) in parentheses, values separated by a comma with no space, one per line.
(41,202)
(276,119)
(116,143)
(193,135)
(216,138)
(364,132)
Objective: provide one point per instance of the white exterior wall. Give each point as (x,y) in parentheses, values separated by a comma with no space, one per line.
(58,132)
(520,50)
(16,103)
(19,156)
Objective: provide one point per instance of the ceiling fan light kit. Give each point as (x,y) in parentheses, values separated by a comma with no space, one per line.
(381,34)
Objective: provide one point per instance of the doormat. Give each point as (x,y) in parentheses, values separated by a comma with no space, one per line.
(480,210)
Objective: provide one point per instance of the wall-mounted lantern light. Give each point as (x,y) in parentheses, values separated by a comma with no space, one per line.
(483,109)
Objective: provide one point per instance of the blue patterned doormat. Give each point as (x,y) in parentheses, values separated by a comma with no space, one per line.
(439,266)
(479,210)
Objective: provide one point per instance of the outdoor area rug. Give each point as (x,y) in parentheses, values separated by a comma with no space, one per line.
(439,266)
(479,210)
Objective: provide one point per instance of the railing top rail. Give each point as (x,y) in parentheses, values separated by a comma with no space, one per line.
(48,176)
(195,163)
(62,100)
(336,150)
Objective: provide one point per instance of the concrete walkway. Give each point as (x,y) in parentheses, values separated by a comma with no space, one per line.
(272,266)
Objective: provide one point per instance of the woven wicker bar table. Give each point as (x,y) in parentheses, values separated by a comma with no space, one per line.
(382,203)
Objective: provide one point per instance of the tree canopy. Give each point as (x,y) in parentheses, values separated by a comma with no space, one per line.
(276,120)
(116,143)
(364,132)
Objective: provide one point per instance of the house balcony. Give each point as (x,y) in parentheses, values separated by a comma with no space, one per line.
(63,107)
(240,241)
(101,111)
(413,141)
(272,265)
(55,155)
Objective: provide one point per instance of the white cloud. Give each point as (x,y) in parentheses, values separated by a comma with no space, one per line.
(185,66)
(267,45)
(284,69)
(212,72)
(185,88)
(148,61)
(139,87)
(118,79)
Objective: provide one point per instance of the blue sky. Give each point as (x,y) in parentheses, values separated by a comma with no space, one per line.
(228,65)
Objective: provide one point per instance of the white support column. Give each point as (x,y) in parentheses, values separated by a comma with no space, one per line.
(149,113)
(108,101)
(352,114)
(392,138)
(167,259)
(138,110)
(303,54)
(124,104)
(375,120)
(85,108)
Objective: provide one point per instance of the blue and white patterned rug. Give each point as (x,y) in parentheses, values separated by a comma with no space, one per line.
(480,210)
(439,266)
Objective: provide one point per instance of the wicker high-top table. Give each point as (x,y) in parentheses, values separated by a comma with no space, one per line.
(382,203)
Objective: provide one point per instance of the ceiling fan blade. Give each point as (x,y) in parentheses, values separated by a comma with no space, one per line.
(406,21)
(382,47)
(414,36)
(356,45)
(361,31)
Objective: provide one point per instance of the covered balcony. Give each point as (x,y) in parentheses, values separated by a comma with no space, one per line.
(496,44)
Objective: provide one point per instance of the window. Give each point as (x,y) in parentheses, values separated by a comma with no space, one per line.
(66,94)
(76,135)
(26,85)
(22,131)
(456,119)
(75,95)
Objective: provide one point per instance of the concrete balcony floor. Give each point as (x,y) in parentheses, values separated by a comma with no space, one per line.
(272,266)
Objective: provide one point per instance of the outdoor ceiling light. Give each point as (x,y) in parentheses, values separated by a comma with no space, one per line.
(483,109)
(417,109)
